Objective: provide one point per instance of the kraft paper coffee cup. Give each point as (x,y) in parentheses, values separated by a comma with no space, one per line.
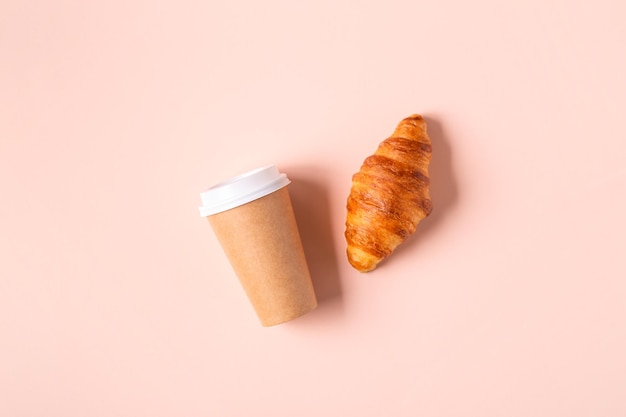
(252,217)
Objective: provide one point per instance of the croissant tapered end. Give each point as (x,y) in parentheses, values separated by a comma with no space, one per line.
(361,260)
(389,195)
(413,127)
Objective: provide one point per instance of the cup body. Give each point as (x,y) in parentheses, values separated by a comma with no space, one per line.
(261,241)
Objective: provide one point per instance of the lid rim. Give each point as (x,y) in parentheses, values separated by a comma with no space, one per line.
(241,189)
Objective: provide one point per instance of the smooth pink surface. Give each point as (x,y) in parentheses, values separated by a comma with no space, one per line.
(115,297)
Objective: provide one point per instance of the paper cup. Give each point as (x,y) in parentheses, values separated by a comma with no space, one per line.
(253,219)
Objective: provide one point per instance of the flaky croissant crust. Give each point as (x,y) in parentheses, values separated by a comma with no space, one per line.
(389,195)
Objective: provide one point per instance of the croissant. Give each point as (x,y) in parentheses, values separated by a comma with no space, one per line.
(389,195)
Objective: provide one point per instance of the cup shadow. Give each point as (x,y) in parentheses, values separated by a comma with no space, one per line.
(444,192)
(309,197)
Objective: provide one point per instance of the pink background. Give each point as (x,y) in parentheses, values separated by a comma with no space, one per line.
(115,297)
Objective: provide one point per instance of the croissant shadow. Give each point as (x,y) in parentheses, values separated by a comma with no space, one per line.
(443,187)
(311,206)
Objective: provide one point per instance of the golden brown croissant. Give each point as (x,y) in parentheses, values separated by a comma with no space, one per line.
(389,195)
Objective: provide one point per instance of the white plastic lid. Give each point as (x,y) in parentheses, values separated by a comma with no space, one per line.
(241,189)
